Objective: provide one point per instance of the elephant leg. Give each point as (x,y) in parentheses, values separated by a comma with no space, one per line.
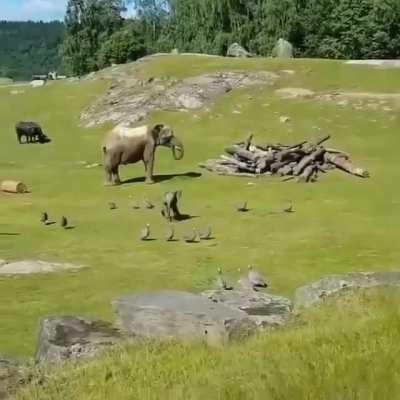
(148,166)
(115,176)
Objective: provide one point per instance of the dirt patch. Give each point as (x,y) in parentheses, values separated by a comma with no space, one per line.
(130,99)
(294,93)
(33,267)
(376,63)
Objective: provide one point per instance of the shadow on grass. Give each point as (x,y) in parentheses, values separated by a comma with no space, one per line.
(162,178)
(9,234)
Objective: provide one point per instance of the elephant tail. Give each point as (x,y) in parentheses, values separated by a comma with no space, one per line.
(104,148)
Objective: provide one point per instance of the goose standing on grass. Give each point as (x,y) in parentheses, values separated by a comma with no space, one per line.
(221,282)
(242,207)
(288,207)
(256,280)
(145,233)
(169,237)
(148,204)
(44,218)
(191,237)
(136,206)
(112,206)
(64,222)
(207,234)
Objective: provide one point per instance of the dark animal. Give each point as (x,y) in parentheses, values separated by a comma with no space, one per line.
(64,222)
(170,205)
(31,131)
(44,217)
(242,207)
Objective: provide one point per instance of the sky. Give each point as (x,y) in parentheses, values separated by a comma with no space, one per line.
(34,10)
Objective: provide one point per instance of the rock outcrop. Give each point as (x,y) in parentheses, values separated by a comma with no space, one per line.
(173,315)
(315,293)
(236,50)
(283,49)
(131,100)
(66,338)
(266,310)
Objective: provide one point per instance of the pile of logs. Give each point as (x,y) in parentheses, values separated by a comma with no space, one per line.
(303,161)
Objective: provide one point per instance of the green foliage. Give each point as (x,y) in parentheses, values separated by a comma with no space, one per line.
(124,45)
(89,23)
(28,48)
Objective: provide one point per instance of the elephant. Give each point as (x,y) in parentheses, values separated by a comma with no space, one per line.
(124,145)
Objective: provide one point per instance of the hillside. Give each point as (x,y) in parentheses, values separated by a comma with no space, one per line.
(341,224)
(28,48)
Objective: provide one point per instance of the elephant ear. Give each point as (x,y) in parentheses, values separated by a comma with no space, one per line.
(157,129)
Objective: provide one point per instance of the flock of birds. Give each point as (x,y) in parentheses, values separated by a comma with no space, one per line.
(45,220)
(254,280)
(191,237)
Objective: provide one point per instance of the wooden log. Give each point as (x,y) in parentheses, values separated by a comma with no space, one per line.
(240,152)
(345,165)
(323,139)
(13,187)
(306,174)
(308,160)
(285,170)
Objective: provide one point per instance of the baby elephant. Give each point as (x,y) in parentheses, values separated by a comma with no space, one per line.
(31,131)
(124,145)
(170,205)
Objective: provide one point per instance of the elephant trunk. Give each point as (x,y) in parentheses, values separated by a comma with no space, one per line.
(177,148)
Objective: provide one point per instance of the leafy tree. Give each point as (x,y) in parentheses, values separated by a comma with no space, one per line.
(124,45)
(88,24)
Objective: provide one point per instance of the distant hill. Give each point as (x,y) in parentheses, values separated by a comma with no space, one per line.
(28,48)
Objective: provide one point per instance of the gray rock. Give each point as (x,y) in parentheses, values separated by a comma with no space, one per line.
(236,50)
(173,315)
(315,293)
(34,267)
(129,100)
(283,49)
(266,310)
(66,338)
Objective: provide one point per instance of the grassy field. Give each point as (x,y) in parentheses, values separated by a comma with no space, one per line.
(341,224)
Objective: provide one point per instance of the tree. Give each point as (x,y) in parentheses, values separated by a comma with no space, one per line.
(88,24)
(127,44)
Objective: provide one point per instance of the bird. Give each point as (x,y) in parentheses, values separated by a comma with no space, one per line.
(145,233)
(136,206)
(44,218)
(112,205)
(243,207)
(148,204)
(206,235)
(221,282)
(169,237)
(64,222)
(191,237)
(288,207)
(256,280)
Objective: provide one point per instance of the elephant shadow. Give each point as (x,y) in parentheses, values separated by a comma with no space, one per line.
(162,178)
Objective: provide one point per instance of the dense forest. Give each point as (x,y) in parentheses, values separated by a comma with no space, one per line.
(28,48)
(96,34)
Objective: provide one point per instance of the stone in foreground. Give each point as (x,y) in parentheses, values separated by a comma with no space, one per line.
(66,338)
(174,315)
(266,310)
(315,293)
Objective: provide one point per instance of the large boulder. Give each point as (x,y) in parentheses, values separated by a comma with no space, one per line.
(174,315)
(236,50)
(265,309)
(283,49)
(65,338)
(315,293)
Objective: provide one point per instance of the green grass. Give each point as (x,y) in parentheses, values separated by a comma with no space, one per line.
(346,350)
(342,223)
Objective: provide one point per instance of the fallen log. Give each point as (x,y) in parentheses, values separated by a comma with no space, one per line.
(13,187)
(308,160)
(345,165)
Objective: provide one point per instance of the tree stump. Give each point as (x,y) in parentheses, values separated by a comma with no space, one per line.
(13,187)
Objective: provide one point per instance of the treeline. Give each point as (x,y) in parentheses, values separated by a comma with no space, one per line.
(28,48)
(97,35)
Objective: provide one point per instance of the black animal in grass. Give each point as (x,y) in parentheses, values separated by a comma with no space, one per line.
(30,132)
